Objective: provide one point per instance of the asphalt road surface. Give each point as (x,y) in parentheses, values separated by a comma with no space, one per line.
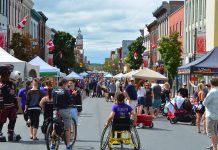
(164,136)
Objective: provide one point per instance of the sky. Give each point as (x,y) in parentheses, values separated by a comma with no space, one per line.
(104,23)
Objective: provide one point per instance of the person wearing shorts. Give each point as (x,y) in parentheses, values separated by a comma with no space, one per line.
(211,106)
(141,97)
(62,100)
(131,93)
(156,98)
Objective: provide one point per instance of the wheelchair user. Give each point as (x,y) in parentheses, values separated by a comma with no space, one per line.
(121,110)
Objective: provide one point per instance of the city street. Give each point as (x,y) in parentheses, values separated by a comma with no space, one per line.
(163,136)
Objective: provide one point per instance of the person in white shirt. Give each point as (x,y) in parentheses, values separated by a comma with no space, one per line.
(140,97)
(211,105)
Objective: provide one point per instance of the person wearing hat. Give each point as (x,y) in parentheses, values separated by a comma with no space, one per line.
(183,91)
(8,103)
(131,93)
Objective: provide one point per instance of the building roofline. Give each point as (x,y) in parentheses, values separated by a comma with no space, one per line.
(177,10)
(43,15)
(158,11)
(151,24)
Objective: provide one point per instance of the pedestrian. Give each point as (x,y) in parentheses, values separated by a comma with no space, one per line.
(112,90)
(131,93)
(166,93)
(199,108)
(211,105)
(148,98)
(8,104)
(118,89)
(183,91)
(140,97)
(33,109)
(156,90)
(62,100)
(87,88)
(22,96)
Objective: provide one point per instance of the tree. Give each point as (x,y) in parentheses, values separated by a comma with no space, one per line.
(64,43)
(170,50)
(18,45)
(22,46)
(111,66)
(134,57)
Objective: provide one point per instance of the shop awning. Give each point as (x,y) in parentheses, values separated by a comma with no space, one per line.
(207,64)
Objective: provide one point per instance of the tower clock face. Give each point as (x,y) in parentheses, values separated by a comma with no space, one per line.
(79,42)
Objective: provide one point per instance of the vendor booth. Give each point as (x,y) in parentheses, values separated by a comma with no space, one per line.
(148,74)
(130,74)
(118,76)
(205,65)
(26,69)
(45,69)
(73,75)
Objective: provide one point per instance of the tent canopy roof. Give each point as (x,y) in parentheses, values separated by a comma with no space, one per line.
(120,75)
(209,60)
(148,74)
(73,75)
(130,74)
(44,67)
(6,57)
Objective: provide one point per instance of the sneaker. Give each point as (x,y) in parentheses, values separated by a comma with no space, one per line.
(52,147)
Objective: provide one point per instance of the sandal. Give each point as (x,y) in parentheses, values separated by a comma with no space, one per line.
(35,139)
(31,137)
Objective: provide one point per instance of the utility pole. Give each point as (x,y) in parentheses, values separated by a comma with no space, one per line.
(195,44)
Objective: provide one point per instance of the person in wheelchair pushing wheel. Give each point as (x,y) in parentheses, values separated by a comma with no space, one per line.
(121,111)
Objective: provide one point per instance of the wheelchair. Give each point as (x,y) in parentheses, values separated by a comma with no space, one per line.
(120,132)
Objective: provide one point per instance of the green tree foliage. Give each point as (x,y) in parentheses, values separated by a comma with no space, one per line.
(170,50)
(64,42)
(18,45)
(111,66)
(135,46)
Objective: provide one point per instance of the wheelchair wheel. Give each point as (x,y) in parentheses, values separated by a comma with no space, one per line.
(105,137)
(135,138)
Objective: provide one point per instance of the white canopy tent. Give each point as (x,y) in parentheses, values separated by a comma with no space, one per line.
(108,75)
(130,74)
(26,69)
(148,74)
(73,75)
(118,76)
(45,69)
(84,74)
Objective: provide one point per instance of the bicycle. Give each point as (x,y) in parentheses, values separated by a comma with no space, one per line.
(56,131)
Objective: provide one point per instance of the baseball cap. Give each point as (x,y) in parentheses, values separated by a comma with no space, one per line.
(131,79)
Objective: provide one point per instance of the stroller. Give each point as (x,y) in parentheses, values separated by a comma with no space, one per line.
(182,111)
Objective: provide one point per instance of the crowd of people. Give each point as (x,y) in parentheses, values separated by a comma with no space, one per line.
(143,97)
(35,97)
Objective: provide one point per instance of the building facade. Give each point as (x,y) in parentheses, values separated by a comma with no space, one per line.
(18,9)
(152,42)
(125,50)
(42,32)
(79,51)
(176,24)
(195,29)
(161,14)
(3,23)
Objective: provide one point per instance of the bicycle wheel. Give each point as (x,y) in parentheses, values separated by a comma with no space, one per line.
(105,137)
(135,138)
(73,133)
(49,137)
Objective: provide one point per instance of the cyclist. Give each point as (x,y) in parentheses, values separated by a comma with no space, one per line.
(61,100)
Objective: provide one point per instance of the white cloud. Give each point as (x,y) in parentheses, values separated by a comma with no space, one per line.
(104,23)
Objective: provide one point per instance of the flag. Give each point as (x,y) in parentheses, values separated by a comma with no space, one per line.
(50,45)
(22,23)
(153,46)
(135,55)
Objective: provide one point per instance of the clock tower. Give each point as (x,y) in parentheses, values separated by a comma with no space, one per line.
(79,40)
